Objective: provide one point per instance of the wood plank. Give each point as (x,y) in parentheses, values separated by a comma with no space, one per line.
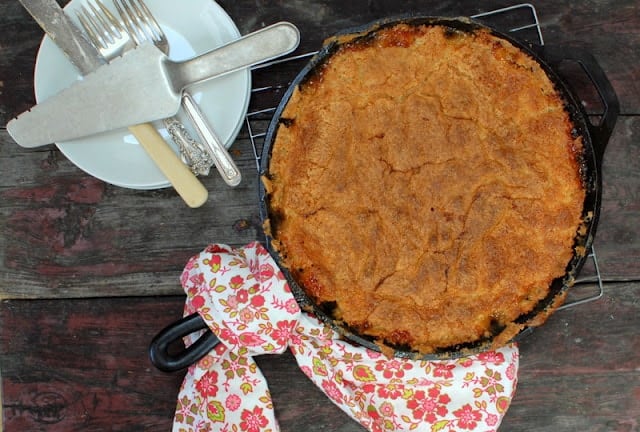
(81,365)
(618,235)
(78,364)
(19,39)
(66,234)
(604,27)
(580,371)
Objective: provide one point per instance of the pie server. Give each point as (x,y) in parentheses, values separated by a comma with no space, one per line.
(86,58)
(141,86)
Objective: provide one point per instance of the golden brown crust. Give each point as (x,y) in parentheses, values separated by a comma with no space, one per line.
(427,183)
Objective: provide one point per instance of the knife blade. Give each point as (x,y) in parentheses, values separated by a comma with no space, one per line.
(86,58)
(141,86)
(52,19)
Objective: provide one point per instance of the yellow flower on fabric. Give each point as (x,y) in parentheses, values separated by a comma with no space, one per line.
(363,373)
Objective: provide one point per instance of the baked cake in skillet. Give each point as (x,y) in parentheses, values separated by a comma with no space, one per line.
(424,184)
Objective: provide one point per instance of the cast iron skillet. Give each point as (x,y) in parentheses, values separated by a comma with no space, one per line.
(594,136)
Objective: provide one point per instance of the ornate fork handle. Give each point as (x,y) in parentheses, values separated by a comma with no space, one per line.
(142,26)
(221,158)
(192,153)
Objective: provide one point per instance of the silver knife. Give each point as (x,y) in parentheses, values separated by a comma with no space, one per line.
(52,19)
(82,54)
(141,86)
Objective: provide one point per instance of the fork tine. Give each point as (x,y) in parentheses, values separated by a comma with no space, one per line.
(151,22)
(103,28)
(100,23)
(130,21)
(108,19)
(140,22)
(142,25)
(89,26)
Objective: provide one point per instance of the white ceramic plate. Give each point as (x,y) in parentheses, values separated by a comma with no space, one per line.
(192,27)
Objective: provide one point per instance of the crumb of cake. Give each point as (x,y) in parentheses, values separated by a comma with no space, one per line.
(428,184)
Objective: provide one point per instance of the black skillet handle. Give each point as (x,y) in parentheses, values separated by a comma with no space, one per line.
(159,348)
(600,133)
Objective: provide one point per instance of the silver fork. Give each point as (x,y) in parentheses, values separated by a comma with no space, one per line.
(112,39)
(103,31)
(142,27)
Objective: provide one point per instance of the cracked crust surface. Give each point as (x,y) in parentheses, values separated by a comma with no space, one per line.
(425,183)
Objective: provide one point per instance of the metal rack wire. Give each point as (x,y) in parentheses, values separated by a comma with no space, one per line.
(521,22)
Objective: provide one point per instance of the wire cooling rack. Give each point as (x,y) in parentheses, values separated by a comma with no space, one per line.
(519,21)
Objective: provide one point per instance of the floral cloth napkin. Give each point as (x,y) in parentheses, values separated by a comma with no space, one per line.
(245,300)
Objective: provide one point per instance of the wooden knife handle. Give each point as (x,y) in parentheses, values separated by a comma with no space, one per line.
(183,180)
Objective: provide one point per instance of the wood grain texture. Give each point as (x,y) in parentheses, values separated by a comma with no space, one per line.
(604,27)
(81,365)
(580,370)
(100,264)
(618,236)
(66,234)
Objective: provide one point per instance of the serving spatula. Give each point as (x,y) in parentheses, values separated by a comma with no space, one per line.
(86,58)
(142,86)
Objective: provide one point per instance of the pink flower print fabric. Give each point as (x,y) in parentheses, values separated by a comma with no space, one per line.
(246,301)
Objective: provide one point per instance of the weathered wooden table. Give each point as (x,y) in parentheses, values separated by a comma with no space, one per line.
(89,271)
